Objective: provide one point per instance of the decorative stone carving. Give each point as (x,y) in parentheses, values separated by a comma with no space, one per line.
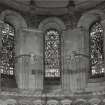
(66,102)
(52,102)
(10,102)
(38,102)
(94,101)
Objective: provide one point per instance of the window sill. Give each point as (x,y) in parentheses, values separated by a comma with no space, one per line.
(93,80)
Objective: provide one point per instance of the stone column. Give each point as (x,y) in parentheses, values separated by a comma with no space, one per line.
(103,24)
(75,60)
(1,24)
(29,65)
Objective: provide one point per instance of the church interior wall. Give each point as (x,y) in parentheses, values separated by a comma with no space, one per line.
(29,72)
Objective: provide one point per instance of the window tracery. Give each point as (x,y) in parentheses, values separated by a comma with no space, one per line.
(52,53)
(7,53)
(7,56)
(97,50)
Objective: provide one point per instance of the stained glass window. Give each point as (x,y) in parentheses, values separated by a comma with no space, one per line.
(7,52)
(52,53)
(97,50)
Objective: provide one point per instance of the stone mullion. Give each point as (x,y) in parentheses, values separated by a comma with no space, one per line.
(1,23)
(103,24)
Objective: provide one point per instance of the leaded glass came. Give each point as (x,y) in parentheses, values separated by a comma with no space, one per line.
(97,50)
(7,52)
(52,53)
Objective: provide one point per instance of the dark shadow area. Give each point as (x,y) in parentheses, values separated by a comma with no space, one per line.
(8,81)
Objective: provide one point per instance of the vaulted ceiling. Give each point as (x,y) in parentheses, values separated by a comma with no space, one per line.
(51,6)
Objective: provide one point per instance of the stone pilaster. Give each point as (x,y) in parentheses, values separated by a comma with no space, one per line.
(29,67)
(75,61)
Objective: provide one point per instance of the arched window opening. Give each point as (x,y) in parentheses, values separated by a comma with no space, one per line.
(7,56)
(96,50)
(52,54)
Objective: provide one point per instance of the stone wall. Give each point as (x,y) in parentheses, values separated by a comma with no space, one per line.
(30,60)
(75,51)
(75,60)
